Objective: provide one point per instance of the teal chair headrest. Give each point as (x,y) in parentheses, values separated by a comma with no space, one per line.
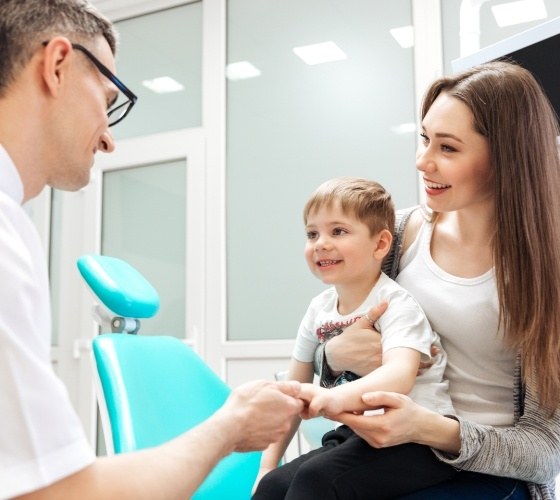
(120,287)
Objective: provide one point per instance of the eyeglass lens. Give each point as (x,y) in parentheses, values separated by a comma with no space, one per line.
(119,110)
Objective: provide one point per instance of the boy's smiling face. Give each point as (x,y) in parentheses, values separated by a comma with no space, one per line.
(339,248)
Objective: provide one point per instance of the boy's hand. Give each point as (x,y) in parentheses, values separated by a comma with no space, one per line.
(318,401)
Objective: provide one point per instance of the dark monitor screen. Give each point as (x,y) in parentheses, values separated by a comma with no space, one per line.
(537,49)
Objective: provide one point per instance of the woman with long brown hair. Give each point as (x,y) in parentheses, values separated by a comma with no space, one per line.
(481,258)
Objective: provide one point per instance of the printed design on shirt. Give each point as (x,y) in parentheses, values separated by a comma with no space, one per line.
(331,329)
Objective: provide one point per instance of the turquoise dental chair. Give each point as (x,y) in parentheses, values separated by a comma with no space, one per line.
(153,388)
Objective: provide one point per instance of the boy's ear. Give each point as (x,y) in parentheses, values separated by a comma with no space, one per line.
(384,240)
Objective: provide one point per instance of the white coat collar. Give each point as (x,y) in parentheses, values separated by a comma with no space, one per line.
(10,181)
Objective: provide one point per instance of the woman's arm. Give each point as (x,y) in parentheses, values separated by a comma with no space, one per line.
(356,349)
(403,421)
(529,450)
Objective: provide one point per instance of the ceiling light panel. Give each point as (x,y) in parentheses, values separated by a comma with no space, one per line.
(522,11)
(404,36)
(320,53)
(163,85)
(241,71)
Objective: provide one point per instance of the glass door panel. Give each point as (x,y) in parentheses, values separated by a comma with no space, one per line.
(291,125)
(143,223)
(163,50)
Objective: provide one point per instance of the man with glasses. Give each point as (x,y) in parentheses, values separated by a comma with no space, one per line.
(58,97)
(117,110)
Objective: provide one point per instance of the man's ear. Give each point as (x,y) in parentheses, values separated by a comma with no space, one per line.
(55,61)
(384,240)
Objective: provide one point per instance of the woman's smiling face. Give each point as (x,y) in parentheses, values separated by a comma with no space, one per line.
(454,159)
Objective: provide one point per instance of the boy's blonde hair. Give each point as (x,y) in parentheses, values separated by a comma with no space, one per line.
(366,200)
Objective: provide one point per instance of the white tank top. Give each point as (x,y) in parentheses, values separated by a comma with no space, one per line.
(464,312)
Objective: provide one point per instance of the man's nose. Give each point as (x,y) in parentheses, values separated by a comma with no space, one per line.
(106,142)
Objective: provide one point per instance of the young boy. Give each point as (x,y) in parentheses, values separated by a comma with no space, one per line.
(349,224)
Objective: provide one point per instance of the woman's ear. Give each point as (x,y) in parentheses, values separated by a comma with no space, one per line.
(384,240)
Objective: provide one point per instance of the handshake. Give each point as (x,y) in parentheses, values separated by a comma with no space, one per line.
(320,402)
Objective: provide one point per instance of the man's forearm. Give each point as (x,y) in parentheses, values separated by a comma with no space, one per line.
(170,471)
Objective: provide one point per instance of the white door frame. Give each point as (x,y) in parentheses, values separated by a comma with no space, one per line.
(82,219)
(188,145)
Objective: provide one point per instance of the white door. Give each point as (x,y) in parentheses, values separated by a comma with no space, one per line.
(144,204)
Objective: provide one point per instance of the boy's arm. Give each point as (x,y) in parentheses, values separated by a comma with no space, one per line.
(302,372)
(396,374)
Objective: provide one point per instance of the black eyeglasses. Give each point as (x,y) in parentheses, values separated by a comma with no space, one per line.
(118,111)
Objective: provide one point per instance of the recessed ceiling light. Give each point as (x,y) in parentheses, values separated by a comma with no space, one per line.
(241,71)
(404,128)
(320,53)
(522,11)
(404,36)
(163,85)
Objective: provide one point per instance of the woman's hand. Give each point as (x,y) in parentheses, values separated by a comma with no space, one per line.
(403,421)
(358,347)
(394,426)
(425,365)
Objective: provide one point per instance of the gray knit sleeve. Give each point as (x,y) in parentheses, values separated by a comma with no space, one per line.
(529,450)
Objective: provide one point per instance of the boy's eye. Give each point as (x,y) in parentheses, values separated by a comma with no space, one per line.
(338,231)
(311,235)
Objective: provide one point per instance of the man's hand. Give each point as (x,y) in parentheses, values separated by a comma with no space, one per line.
(262,412)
